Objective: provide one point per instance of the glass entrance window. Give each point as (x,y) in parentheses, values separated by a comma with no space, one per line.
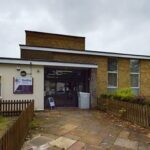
(58,81)
(64,85)
(49,88)
(60,87)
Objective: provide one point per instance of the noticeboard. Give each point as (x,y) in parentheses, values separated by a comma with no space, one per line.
(23,85)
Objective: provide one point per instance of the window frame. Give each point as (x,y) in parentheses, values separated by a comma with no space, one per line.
(135,73)
(112,72)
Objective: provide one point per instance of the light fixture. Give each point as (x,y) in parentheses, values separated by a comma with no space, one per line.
(38,71)
(18,68)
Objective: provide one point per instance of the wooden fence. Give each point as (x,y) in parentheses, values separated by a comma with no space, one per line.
(13,138)
(13,107)
(136,113)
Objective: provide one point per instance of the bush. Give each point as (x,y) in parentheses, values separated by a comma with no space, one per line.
(147,102)
(125,94)
(106,95)
(140,99)
(121,94)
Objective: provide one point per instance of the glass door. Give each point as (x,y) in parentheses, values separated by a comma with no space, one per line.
(64,85)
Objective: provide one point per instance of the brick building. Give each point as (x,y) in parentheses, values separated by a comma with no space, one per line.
(59,66)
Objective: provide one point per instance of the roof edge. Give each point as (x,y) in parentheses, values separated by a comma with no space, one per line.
(45,63)
(86,52)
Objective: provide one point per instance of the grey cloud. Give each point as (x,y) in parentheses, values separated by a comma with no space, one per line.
(109,25)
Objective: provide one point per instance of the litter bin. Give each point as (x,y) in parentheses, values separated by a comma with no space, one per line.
(83,100)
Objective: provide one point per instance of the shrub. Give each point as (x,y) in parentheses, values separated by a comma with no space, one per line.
(106,95)
(121,94)
(125,94)
(140,99)
(147,101)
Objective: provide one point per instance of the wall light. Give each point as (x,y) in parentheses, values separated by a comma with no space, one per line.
(38,71)
(18,68)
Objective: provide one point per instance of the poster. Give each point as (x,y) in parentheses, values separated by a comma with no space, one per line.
(23,85)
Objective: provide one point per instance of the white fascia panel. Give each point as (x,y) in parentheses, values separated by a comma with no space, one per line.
(83,52)
(65,64)
(59,64)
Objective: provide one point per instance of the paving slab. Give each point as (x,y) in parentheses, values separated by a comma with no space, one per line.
(77,146)
(71,136)
(27,146)
(62,142)
(108,141)
(53,148)
(37,143)
(126,143)
(50,136)
(144,146)
(66,128)
(93,139)
(124,134)
(93,147)
(148,135)
(115,147)
(96,129)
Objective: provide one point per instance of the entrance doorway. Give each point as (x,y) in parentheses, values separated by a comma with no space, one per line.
(64,84)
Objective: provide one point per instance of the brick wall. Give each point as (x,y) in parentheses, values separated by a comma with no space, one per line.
(54,40)
(145,77)
(100,61)
(27,54)
(123,73)
(123,69)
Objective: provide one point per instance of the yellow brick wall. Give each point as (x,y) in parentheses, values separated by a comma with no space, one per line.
(25,54)
(100,61)
(145,77)
(54,40)
(123,69)
(123,73)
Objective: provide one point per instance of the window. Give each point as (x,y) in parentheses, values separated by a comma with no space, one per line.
(112,74)
(135,75)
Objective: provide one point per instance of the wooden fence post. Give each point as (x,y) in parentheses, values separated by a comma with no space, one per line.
(0,107)
(15,135)
(135,113)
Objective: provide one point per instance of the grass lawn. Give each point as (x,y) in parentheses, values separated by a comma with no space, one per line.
(5,123)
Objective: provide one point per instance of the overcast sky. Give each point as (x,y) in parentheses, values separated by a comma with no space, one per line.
(109,25)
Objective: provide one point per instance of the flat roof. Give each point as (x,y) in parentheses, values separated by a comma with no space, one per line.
(45,63)
(85,52)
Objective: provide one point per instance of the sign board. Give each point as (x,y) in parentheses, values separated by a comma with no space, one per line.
(51,102)
(23,85)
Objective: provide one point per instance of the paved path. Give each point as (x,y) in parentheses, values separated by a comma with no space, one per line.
(75,129)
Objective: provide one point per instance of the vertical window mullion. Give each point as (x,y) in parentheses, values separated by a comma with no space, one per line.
(135,75)
(112,71)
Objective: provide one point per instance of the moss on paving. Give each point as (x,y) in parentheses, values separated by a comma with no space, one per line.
(5,123)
